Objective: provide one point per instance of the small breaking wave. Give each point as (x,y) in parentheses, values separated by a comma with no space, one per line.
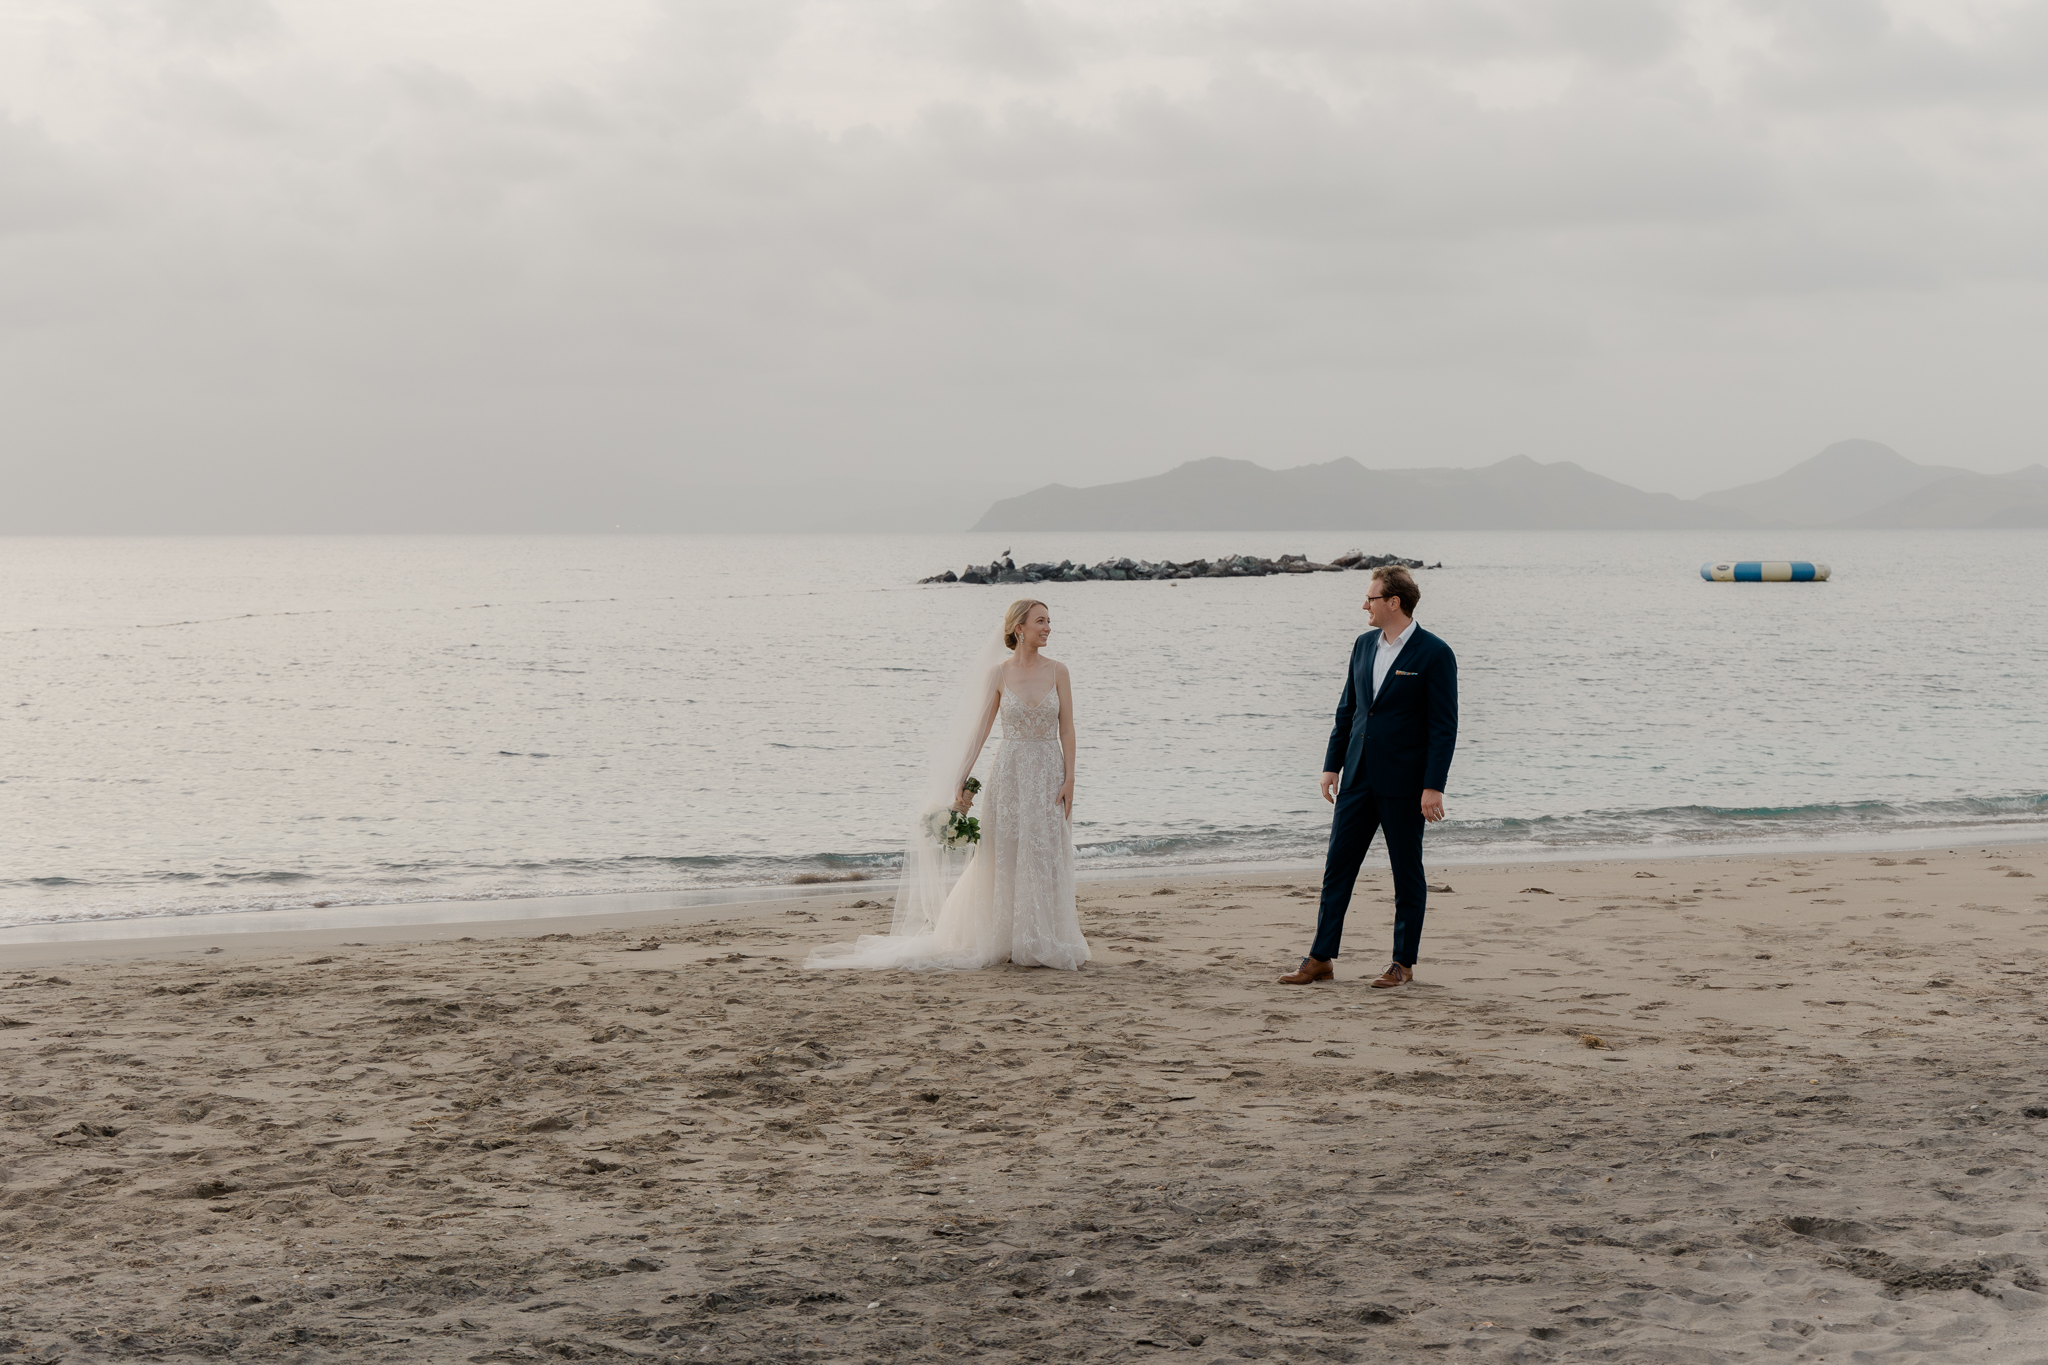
(1682,827)
(83,895)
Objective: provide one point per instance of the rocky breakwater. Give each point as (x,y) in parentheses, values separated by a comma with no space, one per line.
(1007,570)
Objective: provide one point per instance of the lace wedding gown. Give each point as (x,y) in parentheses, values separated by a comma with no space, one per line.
(1015,900)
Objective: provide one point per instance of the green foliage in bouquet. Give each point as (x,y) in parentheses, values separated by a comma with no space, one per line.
(954,829)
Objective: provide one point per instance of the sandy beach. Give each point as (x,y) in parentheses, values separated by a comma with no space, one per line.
(1786,1107)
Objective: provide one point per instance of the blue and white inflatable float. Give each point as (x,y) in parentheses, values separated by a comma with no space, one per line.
(1764,571)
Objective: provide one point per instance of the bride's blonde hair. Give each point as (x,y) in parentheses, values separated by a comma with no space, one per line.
(1013,619)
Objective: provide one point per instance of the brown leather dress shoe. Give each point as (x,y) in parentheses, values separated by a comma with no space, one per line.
(1394,975)
(1309,970)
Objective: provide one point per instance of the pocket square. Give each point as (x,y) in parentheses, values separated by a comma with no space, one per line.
(1403,673)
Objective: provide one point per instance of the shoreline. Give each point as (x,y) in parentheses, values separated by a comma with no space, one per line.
(606,906)
(1701,1108)
(256,931)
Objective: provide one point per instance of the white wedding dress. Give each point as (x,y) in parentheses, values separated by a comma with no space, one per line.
(1014,902)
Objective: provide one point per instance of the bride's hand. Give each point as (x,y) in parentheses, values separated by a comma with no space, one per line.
(1065,800)
(963,801)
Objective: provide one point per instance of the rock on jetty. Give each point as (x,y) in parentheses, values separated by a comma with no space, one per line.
(1007,570)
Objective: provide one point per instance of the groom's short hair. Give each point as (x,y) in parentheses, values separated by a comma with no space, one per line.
(1395,582)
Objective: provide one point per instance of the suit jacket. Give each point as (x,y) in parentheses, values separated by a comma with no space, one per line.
(1398,743)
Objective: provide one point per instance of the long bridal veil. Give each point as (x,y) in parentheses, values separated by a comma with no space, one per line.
(930,869)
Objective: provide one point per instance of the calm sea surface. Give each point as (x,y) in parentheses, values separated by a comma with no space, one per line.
(195,725)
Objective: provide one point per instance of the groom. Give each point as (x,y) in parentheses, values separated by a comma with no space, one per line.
(1396,726)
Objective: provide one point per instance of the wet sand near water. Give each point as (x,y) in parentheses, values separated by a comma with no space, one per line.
(1702,1110)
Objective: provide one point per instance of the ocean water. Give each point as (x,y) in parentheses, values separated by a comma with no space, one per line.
(214,724)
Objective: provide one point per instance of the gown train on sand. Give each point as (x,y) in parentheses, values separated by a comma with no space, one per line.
(1015,900)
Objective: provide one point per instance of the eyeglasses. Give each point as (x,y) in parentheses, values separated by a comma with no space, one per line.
(1379,599)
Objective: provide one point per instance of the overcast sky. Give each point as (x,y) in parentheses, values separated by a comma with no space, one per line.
(269,262)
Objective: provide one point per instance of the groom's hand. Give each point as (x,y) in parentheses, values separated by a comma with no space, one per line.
(1432,805)
(1330,787)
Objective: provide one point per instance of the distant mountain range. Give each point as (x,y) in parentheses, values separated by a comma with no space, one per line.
(1851,483)
(1969,500)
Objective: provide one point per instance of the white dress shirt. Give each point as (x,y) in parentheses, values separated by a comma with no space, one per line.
(1383,657)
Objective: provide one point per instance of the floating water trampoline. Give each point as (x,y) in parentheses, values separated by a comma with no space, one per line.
(1764,571)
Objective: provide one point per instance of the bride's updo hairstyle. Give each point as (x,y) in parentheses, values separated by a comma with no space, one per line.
(1013,619)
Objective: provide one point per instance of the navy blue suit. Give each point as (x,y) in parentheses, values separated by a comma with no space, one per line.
(1390,749)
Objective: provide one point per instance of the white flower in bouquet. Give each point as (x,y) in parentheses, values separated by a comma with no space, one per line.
(951,827)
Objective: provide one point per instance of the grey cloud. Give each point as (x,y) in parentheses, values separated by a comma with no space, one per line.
(305,296)
(43,189)
(227,22)
(1013,37)
(1441,168)
(1622,33)
(702,59)
(1854,55)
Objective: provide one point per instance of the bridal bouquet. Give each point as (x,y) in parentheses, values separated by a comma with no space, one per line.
(954,829)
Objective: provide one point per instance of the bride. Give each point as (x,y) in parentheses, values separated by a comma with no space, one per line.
(1014,901)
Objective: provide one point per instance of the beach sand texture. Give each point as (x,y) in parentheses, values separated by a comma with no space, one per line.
(1706,1110)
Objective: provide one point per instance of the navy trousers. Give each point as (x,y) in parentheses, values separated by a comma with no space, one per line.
(1359,815)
